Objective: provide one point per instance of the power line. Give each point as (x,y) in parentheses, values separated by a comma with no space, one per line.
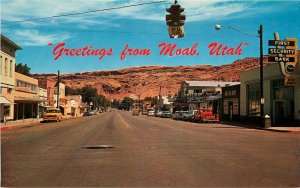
(86,12)
(100,31)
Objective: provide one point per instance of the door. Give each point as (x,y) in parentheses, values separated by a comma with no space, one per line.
(230,110)
(279,113)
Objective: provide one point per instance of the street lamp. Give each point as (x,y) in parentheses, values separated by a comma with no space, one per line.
(260,35)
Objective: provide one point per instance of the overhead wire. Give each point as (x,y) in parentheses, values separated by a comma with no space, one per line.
(85,12)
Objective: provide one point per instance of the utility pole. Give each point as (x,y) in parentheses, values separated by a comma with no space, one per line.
(57,90)
(159,97)
(261,77)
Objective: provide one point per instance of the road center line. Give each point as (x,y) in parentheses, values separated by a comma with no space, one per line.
(124,122)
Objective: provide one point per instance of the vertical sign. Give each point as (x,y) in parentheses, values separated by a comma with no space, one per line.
(291,67)
(287,57)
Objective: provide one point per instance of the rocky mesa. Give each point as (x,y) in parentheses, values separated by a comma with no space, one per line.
(146,80)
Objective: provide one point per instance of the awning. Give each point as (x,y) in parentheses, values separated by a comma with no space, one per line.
(29,100)
(4,101)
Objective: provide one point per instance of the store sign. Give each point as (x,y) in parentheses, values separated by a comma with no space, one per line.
(281,51)
(286,54)
(281,43)
(280,59)
(230,93)
(196,99)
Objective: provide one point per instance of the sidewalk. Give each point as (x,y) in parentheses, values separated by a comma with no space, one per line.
(294,129)
(284,129)
(17,123)
(28,122)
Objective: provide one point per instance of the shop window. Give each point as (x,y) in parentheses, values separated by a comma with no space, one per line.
(6,110)
(253,99)
(282,92)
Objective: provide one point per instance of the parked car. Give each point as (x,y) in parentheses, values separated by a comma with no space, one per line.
(53,114)
(87,113)
(165,114)
(181,114)
(190,115)
(151,113)
(206,115)
(158,113)
(175,115)
(93,112)
(135,112)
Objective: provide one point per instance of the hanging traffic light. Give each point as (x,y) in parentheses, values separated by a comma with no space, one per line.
(175,21)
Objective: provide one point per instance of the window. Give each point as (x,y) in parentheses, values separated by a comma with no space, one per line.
(253,99)
(5,67)
(197,90)
(6,110)
(9,90)
(1,65)
(11,68)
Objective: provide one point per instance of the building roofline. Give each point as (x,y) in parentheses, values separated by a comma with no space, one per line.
(194,83)
(4,38)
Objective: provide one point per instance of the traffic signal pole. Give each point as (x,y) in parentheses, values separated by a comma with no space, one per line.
(57,90)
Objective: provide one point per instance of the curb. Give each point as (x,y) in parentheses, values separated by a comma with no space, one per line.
(7,127)
(283,131)
(4,128)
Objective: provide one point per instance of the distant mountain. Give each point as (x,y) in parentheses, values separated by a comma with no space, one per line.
(145,80)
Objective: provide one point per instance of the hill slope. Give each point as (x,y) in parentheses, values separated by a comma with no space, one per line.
(145,80)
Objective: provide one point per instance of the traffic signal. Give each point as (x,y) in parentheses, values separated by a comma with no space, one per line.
(175,20)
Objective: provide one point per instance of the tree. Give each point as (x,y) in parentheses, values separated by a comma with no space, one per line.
(22,69)
(165,107)
(152,99)
(88,93)
(126,103)
(71,91)
(116,103)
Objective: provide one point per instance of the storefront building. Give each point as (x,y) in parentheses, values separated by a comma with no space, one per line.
(7,78)
(60,97)
(281,102)
(202,94)
(47,83)
(74,106)
(26,97)
(230,103)
(42,105)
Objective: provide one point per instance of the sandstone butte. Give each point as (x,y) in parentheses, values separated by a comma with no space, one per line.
(146,80)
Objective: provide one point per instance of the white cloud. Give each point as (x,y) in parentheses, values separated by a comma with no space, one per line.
(35,38)
(195,10)
(32,32)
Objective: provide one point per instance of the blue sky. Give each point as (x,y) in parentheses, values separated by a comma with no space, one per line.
(140,27)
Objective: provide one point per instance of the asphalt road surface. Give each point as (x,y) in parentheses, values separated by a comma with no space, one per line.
(118,149)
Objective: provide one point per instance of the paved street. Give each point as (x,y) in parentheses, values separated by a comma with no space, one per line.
(118,149)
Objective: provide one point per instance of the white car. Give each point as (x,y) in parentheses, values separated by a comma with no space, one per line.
(151,113)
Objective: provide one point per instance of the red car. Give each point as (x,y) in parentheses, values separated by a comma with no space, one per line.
(206,115)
